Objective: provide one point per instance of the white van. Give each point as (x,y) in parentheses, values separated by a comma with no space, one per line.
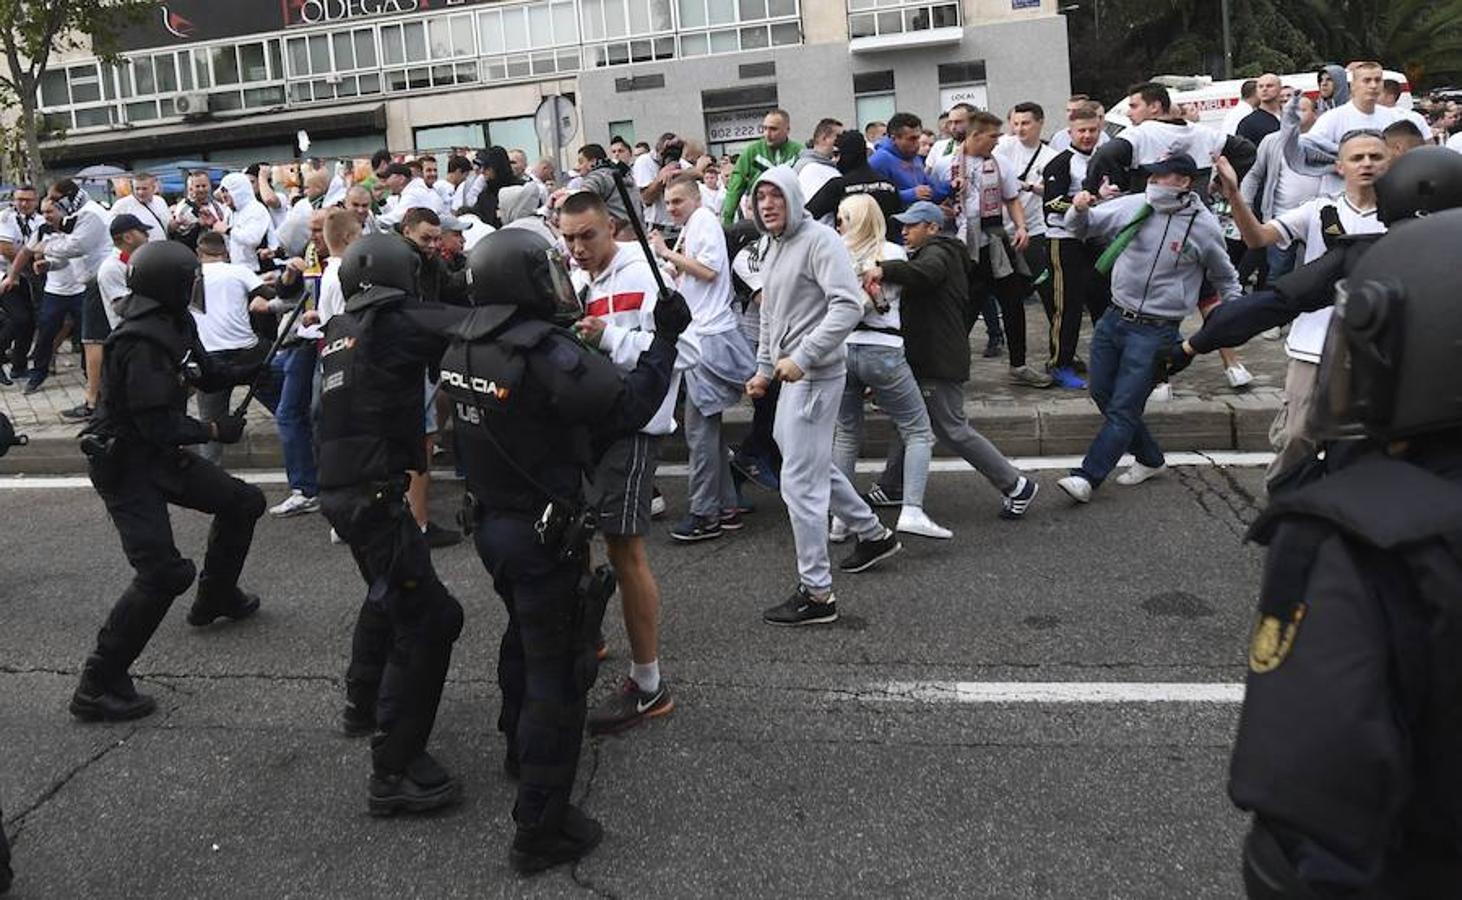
(1214,99)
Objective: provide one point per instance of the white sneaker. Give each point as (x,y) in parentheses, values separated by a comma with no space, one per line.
(657,506)
(1139,473)
(296,504)
(1272,334)
(838,532)
(1076,487)
(1238,377)
(1162,393)
(335,537)
(913,520)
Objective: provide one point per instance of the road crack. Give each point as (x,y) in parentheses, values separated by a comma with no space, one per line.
(580,878)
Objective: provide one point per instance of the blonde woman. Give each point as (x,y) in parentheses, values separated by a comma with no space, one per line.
(876,362)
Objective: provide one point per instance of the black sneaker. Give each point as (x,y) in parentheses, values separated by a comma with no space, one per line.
(79,413)
(34,384)
(879,498)
(208,609)
(868,554)
(1015,505)
(801,609)
(697,528)
(543,847)
(438,537)
(629,707)
(423,787)
(994,348)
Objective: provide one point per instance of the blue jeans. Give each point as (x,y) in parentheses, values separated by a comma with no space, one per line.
(289,395)
(55,310)
(1120,376)
(885,370)
(1282,262)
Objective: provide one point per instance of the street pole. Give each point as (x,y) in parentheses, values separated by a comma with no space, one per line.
(1228,44)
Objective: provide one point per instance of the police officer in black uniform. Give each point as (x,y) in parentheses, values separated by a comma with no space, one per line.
(138,465)
(1349,749)
(534,408)
(369,431)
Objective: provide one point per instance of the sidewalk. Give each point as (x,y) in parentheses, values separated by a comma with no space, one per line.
(1204,414)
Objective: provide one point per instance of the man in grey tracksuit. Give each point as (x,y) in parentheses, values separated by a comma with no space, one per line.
(1165,240)
(811,301)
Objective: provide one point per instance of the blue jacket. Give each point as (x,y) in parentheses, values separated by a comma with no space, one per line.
(906,174)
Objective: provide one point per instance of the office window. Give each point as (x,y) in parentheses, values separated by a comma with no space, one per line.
(624,129)
(515,134)
(873,97)
(869,18)
(446,137)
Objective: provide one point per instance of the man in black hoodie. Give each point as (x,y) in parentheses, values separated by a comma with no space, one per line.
(497,169)
(937,316)
(856,177)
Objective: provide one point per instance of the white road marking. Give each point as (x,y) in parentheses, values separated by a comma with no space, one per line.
(1218,458)
(1057,692)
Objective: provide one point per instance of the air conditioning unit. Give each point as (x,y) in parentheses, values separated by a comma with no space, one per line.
(190,105)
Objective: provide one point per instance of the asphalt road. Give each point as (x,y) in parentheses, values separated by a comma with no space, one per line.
(790,766)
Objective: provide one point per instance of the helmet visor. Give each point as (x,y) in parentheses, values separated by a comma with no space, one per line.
(568,306)
(1355,389)
(198,297)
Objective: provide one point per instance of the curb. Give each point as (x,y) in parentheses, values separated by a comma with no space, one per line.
(1048,428)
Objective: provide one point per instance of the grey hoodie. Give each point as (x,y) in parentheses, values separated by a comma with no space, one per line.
(1162,269)
(1342,88)
(811,298)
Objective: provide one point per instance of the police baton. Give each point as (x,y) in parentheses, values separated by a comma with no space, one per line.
(634,221)
(269,357)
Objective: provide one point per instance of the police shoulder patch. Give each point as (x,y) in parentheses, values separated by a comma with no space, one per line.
(1273,639)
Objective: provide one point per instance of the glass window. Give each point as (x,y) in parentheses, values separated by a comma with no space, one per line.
(415,34)
(862,26)
(782,7)
(916,19)
(722,12)
(185,70)
(519,67)
(167,74)
(890,22)
(639,16)
(754,38)
(565,24)
(515,29)
(752,9)
(418,78)
(568,60)
(467,72)
(665,48)
(624,129)
(694,44)
(226,101)
(94,117)
(617,54)
(786,33)
(85,86)
(641,51)
(946,16)
(299,56)
(391,50)
(53,88)
(142,76)
(111,74)
(370,84)
(540,25)
(344,52)
(614,18)
(348,87)
(445,137)
(225,65)
(320,54)
(251,62)
(463,41)
(396,80)
(543,63)
(276,62)
(873,108)
(724,42)
(365,48)
(692,13)
(200,67)
(439,38)
(264,96)
(515,134)
(490,31)
(443,74)
(661,18)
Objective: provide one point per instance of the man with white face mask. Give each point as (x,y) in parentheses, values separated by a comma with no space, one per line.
(1163,242)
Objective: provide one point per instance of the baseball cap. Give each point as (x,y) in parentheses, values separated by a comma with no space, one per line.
(921,211)
(1179,164)
(452,223)
(124,223)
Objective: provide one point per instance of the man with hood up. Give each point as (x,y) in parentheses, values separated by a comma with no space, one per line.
(811,302)
(855,176)
(248,225)
(1334,83)
(497,173)
(135,457)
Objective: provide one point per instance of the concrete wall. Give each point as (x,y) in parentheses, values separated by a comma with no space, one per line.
(1026,59)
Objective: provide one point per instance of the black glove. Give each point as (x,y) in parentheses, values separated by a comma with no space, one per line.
(1169,361)
(672,316)
(229,429)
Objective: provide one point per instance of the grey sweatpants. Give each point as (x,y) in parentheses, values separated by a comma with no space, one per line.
(807,413)
(711,487)
(946,403)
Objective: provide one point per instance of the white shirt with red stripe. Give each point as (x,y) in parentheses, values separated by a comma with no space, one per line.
(623,295)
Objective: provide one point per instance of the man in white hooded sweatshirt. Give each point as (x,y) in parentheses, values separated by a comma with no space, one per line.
(811,302)
(249,224)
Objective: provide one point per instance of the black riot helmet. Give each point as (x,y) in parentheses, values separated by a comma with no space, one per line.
(165,272)
(1424,181)
(378,268)
(515,267)
(1395,338)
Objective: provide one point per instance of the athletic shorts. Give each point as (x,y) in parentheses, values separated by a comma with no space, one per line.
(624,485)
(94,325)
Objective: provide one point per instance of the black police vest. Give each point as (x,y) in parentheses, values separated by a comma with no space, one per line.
(165,386)
(506,388)
(372,417)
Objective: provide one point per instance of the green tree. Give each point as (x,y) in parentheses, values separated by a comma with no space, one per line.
(32,30)
(1423,38)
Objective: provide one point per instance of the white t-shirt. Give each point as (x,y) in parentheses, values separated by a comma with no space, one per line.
(1454,142)
(226,289)
(1307,335)
(982,180)
(703,240)
(12,233)
(645,170)
(713,199)
(154,215)
(1334,124)
(872,318)
(1015,157)
(332,296)
(111,282)
(1156,140)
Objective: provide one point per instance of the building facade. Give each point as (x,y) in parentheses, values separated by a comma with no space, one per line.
(235,83)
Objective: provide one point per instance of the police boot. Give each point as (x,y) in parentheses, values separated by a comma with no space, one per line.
(103,696)
(423,787)
(358,719)
(540,847)
(213,603)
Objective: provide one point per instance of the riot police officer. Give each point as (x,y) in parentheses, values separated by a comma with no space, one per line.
(372,417)
(8,439)
(137,464)
(534,408)
(1349,749)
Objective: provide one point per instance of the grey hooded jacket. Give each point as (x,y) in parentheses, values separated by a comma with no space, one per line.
(1275,154)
